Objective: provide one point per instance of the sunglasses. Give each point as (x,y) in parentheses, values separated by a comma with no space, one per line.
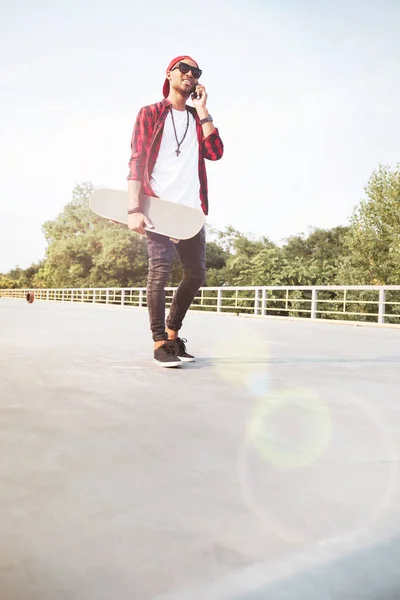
(185,68)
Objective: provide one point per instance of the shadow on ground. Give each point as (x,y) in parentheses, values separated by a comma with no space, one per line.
(370,574)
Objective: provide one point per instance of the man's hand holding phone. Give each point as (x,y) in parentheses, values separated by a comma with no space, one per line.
(199,96)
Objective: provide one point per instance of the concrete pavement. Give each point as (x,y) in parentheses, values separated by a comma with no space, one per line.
(268,469)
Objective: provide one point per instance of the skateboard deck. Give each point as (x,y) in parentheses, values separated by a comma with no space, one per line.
(174,220)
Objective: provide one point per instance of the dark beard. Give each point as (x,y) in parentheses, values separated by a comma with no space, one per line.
(185,94)
(189,93)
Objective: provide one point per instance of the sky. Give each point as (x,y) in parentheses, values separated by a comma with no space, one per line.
(305,94)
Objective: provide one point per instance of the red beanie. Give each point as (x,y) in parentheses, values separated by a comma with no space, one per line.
(171,64)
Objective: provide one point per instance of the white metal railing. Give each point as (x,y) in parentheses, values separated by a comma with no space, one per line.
(379,304)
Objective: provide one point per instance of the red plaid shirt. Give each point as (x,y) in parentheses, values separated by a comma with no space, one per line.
(145,145)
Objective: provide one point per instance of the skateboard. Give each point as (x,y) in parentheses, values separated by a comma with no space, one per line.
(177,221)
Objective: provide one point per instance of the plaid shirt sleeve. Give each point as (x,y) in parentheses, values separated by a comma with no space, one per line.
(213,146)
(139,146)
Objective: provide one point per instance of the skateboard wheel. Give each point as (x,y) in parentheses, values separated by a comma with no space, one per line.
(30,297)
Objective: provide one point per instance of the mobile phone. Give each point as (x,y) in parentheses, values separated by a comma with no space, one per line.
(195,95)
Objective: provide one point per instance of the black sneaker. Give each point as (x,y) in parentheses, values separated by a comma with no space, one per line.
(179,348)
(165,356)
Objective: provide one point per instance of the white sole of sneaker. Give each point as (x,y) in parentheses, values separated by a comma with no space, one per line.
(187,359)
(169,364)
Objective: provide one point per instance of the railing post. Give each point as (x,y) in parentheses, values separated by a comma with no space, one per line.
(140,298)
(382,307)
(72,295)
(122,297)
(256,301)
(264,302)
(107,296)
(62,295)
(314,300)
(94,296)
(47,294)
(219,300)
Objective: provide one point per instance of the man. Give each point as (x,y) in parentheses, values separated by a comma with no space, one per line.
(170,142)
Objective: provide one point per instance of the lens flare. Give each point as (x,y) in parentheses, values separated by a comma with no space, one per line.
(308,476)
(290,428)
(243,361)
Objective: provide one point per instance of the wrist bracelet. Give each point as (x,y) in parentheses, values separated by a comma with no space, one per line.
(206,120)
(131,211)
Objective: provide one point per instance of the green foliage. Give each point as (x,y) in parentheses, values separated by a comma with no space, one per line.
(87,251)
(321,245)
(315,259)
(7,283)
(373,240)
(76,218)
(19,278)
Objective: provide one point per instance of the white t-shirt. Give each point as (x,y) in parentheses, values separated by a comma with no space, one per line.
(176,178)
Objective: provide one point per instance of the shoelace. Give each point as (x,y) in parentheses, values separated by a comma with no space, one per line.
(182,344)
(168,349)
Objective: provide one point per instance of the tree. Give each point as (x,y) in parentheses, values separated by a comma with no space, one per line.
(373,239)
(22,278)
(85,250)
(216,256)
(7,283)
(239,253)
(315,260)
(320,245)
(75,219)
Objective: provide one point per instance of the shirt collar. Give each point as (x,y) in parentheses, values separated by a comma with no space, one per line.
(167,103)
